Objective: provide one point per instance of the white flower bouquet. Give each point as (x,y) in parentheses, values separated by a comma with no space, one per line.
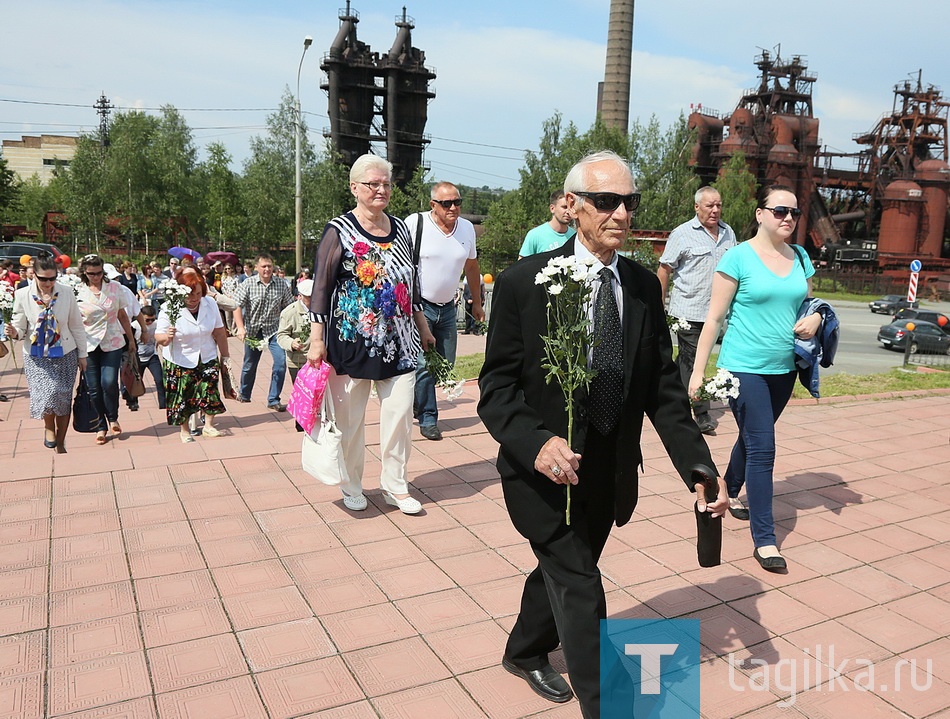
(569,286)
(176,295)
(677,325)
(6,300)
(72,282)
(444,374)
(722,387)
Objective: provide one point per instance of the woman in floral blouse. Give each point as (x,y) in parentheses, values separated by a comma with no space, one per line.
(367,322)
(107,329)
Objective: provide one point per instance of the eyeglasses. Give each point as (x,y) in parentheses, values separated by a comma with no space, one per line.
(448,204)
(377,186)
(93,274)
(148,322)
(610,201)
(781,212)
(45,279)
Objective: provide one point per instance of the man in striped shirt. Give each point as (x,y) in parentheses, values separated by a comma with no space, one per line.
(689,259)
(260,300)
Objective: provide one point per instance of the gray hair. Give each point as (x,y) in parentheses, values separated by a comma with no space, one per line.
(577,180)
(440,186)
(698,197)
(367,162)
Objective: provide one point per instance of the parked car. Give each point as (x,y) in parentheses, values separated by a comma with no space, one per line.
(15,250)
(937,318)
(926,337)
(890,304)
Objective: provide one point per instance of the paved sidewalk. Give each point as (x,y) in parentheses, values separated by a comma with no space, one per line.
(148,578)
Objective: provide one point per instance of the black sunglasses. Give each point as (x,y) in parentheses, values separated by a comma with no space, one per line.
(446,204)
(610,201)
(781,211)
(150,321)
(45,279)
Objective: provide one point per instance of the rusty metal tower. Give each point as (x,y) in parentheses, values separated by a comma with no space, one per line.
(613,94)
(375,99)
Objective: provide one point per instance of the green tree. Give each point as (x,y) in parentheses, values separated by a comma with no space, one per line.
(9,190)
(737,187)
(31,206)
(666,182)
(414,198)
(221,217)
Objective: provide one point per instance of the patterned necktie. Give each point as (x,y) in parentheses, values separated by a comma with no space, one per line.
(606,389)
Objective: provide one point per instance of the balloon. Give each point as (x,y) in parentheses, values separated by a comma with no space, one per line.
(64,261)
(910,326)
(25,260)
(488,278)
(942,321)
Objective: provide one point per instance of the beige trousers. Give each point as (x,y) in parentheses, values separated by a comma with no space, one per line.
(349,396)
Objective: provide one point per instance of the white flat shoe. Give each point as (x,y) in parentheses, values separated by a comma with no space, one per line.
(406,506)
(356,504)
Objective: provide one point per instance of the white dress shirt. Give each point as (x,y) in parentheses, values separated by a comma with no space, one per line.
(193,343)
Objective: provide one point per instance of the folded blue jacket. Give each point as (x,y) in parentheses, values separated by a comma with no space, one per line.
(820,349)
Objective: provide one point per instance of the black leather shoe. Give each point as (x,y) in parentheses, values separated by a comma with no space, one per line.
(431,431)
(770,564)
(544,681)
(706,424)
(740,513)
(277,407)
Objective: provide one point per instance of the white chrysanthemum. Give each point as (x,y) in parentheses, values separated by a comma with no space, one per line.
(550,270)
(540,278)
(556,289)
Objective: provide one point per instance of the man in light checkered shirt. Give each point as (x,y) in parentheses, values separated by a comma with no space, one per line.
(260,300)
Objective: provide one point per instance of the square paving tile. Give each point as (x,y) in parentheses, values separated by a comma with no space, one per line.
(504,696)
(89,603)
(174,589)
(157,562)
(477,567)
(441,610)
(342,594)
(21,697)
(22,654)
(395,666)
(234,525)
(31,581)
(412,580)
(445,699)
(309,687)
(470,647)
(237,550)
(227,699)
(271,606)
(77,643)
(283,644)
(176,666)
(252,577)
(180,623)
(367,627)
(23,614)
(96,683)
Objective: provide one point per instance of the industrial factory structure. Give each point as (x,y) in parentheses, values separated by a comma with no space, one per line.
(378,99)
(888,211)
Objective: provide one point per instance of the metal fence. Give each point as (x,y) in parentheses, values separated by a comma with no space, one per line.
(918,355)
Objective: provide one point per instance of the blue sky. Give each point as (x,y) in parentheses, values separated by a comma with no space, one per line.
(502,67)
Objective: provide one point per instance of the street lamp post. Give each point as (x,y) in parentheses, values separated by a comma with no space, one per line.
(298,201)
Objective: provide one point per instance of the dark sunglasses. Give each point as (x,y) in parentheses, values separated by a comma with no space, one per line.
(94,274)
(610,201)
(781,211)
(45,279)
(148,322)
(447,204)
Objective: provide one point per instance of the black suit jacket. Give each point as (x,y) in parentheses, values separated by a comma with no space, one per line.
(522,411)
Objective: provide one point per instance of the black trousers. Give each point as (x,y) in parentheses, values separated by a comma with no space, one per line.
(686,341)
(563,600)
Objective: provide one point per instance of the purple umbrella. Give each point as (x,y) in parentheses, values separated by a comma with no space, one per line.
(227,258)
(183,252)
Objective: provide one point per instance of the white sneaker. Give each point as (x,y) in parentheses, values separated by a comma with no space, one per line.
(356,504)
(406,506)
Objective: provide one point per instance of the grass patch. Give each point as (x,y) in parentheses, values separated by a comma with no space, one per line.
(832,385)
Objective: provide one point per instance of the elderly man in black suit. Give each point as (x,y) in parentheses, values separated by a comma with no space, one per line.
(563,600)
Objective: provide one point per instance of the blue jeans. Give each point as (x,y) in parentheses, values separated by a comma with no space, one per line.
(442,324)
(249,370)
(102,378)
(762,397)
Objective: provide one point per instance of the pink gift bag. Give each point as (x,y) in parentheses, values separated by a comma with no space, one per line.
(307,394)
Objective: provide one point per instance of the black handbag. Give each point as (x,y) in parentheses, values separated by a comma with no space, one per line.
(85,414)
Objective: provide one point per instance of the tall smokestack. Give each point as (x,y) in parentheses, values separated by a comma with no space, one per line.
(613,99)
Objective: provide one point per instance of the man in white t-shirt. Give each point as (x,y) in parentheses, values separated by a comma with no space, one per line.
(447,248)
(553,233)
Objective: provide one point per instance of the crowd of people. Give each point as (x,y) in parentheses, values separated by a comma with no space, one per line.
(384,291)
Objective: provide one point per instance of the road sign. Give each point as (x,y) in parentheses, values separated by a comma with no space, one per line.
(912,287)
(915,266)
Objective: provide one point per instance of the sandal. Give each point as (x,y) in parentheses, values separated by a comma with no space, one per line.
(185,438)
(212,432)
(101,438)
(116,429)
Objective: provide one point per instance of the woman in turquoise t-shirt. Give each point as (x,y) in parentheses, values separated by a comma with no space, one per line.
(761,283)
